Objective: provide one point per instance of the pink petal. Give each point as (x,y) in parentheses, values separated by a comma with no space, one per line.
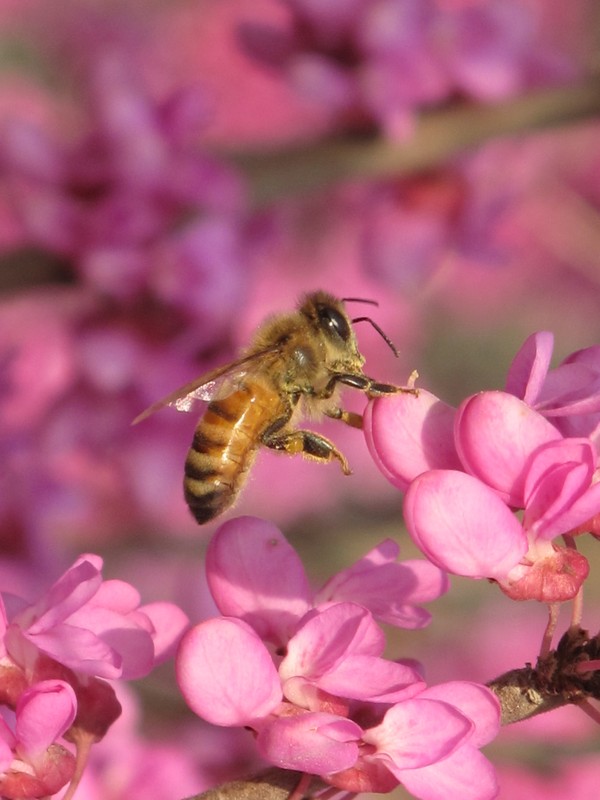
(589,356)
(314,742)
(44,712)
(529,368)
(370,678)
(428,583)
(6,754)
(359,575)
(169,623)
(255,575)
(130,636)
(322,80)
(466,773)
(3,627)
(386,588)
(462,525)
(6,735)
(103,619)
(476,702)
(569,452)
(570,389)
(416,733)
(117,596)
(496,435)
(68,594)
(80,650)
(582,510)
(408,435)
(226,674)
(558,491)
(550,511)
(28,150)
(328,636)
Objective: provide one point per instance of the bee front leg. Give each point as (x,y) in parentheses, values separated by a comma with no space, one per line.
(307,443)
(367,385)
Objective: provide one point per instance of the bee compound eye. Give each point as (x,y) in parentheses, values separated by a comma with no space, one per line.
(334,322)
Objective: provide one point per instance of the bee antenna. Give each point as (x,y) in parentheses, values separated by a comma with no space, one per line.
(384,336)
(359,300)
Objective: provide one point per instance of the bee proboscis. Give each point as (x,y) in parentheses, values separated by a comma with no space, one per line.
(295,366)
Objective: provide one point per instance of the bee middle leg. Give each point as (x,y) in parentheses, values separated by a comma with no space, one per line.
(307,443)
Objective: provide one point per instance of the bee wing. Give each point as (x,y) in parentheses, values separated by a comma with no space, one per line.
(208,386)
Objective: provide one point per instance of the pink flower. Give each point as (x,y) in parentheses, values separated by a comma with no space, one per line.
(314,731)
(94,627)
(466,470)
(382,60)
(568,395)
(462,717)
(311,680)
(32,763)
(35,350)
(265,584)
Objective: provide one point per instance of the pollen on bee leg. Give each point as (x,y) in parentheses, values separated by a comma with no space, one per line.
(348,417)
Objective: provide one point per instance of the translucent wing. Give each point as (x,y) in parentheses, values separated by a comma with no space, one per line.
(207,386)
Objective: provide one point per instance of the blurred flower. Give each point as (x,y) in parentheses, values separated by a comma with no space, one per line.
(94,627)
(412,228)
(574,777)
(81,630)
(135,205)
(152,231)
(380,60)
(37,357)
(133,763)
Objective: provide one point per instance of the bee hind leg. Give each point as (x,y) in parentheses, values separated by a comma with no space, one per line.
(348,417)
(309,444)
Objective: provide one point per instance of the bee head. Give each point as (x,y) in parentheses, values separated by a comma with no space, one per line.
(328,314)
(330,321)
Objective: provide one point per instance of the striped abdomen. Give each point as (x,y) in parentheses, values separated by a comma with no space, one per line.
(224,447)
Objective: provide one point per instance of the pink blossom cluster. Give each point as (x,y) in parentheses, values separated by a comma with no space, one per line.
(411,227)
(305,670)
(531,448)
(381,60)
(56,655)
(150,234)
(134,204)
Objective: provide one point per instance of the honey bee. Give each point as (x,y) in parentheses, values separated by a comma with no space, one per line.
(295,366)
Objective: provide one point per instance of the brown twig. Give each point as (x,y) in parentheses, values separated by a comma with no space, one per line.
(439,134)
(559,678)
(273,784)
